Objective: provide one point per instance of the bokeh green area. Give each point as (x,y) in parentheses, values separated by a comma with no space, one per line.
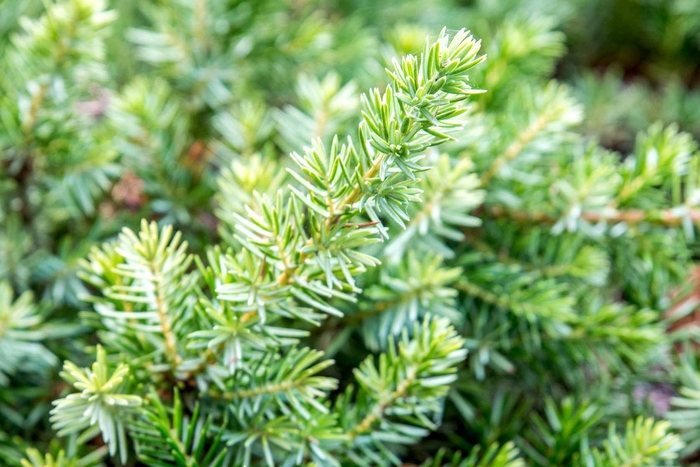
(631,62)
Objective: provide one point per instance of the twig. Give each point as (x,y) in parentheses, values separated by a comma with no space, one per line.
(666,217)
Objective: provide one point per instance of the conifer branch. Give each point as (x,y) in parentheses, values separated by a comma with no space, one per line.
(553,111)
(146,284)
(415,112)
(419,369)
(644,442)
(531,303)
(450,192)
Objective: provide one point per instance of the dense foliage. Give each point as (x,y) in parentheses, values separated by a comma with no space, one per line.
(286,233)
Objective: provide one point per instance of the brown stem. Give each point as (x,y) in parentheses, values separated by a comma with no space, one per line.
(351,198)
(357,191)
(514,149)
(34,107)
(166,328)
(664,217)
(482,294)
(200,27)
(261,391)
(378,410)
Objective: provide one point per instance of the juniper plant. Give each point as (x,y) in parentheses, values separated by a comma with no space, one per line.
(243,261)
(230,329)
